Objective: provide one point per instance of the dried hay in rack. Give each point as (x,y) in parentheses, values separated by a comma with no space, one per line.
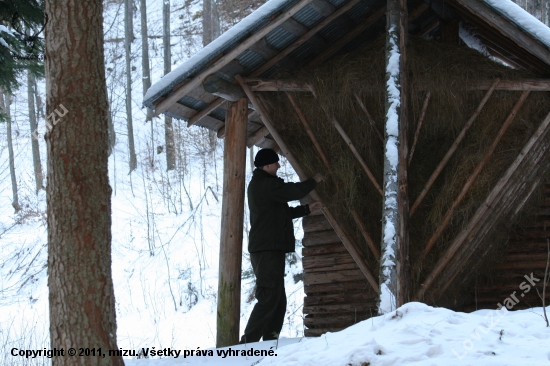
(443,69)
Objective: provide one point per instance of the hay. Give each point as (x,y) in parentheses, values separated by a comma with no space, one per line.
(445,70)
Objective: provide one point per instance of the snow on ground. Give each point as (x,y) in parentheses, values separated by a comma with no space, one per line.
(415,334)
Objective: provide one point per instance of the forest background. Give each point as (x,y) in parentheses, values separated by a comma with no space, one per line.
(167,187)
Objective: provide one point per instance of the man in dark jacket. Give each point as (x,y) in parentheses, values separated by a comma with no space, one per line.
(271,237)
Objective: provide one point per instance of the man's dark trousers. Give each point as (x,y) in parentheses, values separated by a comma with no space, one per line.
(268,314)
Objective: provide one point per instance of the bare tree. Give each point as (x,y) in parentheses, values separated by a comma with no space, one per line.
(210,21)
(128,38)
(145,70)
(168,125)
(6,108)
(81,296)
(38,175)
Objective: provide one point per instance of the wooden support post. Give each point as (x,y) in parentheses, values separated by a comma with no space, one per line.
(348,242)
(309,131)
(453,148)
(472,178)
(394,263)
(420,120)
(369,117)
(234,172)
(492,210)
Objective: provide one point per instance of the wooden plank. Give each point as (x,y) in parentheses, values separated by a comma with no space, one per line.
(513,85)
(348,242)
(272,85)
(227,58)
(200,115)
(315,223)
(453,148)
(363,306)
(486,207)
(325,260)
(473,176)
(231,233)
(320,237)
(347,286)
(506,28)
(328,277)
(324,249)
(338,298)
(336,267)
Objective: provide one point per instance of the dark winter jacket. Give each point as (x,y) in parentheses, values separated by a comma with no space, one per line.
(271,225)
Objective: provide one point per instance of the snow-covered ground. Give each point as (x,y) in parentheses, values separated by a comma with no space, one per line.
(415,334)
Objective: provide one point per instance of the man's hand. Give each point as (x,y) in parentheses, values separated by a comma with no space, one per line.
(318,177)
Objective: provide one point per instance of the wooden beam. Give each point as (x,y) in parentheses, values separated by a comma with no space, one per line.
(369,117)
(489,208)
(348,242)
(309,131)
(347,38)
(473,177)
(275,85)
(366,235)
(419,125)
(222,88)
(453,148)
(230,56)
(304,38)
(355,153)
(513,85)
(199,115)
(231,241)
(506,28)
(257,136)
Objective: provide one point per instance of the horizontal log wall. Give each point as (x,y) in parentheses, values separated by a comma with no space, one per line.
(337,293)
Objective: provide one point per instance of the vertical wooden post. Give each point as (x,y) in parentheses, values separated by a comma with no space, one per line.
(394,264)
(234,171)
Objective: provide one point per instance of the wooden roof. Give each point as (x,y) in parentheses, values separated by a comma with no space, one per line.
(291,35)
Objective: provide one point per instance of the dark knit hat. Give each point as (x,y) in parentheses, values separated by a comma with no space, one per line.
(265,157)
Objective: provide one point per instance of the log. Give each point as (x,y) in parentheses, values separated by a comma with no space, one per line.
(257,136)
(485,209)
(349,286)
(332,268)
(231,241)
(222,88)
(320,237)
(315,223)
(276,85)
(363,306)
(453,148)
(473,176)
(200,115)
(348,242)
(328,277)
(325,261)
(227,58)
(339,298)
(325,249)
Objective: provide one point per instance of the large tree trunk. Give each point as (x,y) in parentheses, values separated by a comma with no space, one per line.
(81,297)
(128,38)
(6,108)
(394,264)
(38,175)
(168,126)
(145,71)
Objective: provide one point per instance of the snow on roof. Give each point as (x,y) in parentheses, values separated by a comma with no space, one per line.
(522,19)
(226,41)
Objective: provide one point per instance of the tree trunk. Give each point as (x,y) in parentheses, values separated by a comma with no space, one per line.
(231,241)
(127,46)
(168,126)
(210,31)
(38,175)
(145,71)
(394,264)
(6,108)
(81,297)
